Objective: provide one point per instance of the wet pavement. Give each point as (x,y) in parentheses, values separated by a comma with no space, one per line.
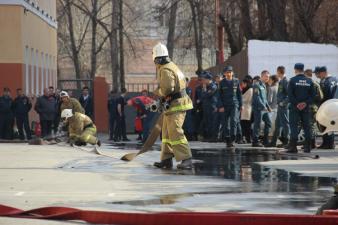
(243,179)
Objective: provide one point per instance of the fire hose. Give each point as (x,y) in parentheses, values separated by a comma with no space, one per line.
(168,218)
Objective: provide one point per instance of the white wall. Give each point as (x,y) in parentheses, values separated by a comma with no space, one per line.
(269,55)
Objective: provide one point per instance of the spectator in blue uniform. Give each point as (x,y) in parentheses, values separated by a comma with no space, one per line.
(231,96)
(209,104)
(301,93)
(282,127)
(218,121)
(260,109)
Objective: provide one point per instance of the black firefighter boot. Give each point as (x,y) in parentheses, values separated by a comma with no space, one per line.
(307,146)
(164,164)
(185,164)
(292,148)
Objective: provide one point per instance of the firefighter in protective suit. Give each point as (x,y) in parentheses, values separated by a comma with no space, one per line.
(327,116)
(80,127)
(327,121)
(171,89)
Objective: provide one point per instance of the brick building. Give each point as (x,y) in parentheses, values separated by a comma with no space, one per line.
(28,45)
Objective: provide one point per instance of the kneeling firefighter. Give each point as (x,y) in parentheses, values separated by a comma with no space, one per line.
(80,127)
(172,91)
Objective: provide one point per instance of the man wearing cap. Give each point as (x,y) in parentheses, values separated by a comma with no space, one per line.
(70,103)
(231,96)
(260,109)
(301,94)
(218,121)
(209,104)
(328,85)
(171,89)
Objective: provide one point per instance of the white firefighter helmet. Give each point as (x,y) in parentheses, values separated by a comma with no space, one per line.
(327,116)
(64,94)
(66,113)
(160,50)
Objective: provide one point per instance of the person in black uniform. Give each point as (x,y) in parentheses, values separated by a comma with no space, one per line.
(112,109)
(21,106)
(328,85)
(301,94)
(231,96)
(87,102)
(6,115)
(121,119)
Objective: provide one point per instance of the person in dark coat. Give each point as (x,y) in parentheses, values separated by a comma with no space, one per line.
(21,107)
(56,95)
(87,102)
(6,115)
(121,119)
(46,108)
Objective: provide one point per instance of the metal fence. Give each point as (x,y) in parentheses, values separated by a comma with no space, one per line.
(74,86)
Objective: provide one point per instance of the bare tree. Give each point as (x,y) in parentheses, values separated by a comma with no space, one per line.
(198,24)
(75,43)
(121,47)
(171,29)
(113,38)
(276,15)
(306,11)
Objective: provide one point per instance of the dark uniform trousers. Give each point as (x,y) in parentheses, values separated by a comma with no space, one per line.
(282,124)
(22,123)
(259,116)
(231,115)
(218,126)
(305,118)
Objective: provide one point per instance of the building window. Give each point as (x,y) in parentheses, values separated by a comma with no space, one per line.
(43,83)
(26,70)
(32,70)
(47,70)
(37,73)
